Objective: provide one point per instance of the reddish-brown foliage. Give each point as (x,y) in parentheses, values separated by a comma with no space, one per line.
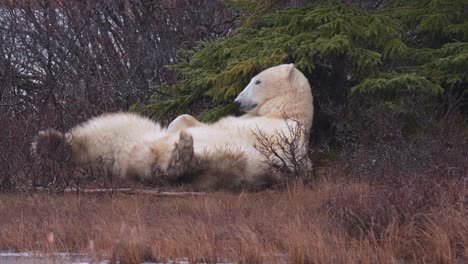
(333,221)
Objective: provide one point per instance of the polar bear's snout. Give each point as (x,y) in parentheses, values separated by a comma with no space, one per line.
(244,100)
(245,106)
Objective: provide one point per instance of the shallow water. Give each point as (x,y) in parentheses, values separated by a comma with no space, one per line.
(37,258)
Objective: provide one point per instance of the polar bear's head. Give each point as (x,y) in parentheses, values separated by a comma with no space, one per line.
(269,87)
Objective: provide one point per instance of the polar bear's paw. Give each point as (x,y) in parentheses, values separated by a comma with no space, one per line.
(180,161)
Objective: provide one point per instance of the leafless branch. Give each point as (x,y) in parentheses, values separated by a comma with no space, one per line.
(286,151)
(130,191)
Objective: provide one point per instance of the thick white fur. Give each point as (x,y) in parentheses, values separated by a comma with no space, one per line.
(121,141)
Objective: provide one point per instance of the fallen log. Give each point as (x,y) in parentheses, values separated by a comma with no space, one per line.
(129,191)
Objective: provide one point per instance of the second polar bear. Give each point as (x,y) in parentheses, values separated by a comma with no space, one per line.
(209,156)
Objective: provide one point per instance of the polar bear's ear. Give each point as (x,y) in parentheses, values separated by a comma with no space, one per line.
(290,69)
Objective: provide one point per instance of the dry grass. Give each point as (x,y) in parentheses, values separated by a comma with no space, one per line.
(333,221)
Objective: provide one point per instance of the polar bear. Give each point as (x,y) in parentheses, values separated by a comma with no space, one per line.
(277,103)
(223,154)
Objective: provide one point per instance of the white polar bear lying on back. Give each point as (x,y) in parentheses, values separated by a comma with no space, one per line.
(208,156)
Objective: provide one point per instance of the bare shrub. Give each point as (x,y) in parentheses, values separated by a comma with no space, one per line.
(14,150)
(406,138)
(286,152)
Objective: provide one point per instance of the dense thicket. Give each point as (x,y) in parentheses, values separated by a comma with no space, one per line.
(103,54)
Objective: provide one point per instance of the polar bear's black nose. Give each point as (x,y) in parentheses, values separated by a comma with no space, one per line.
(244,106)
(237,103)
(237,108)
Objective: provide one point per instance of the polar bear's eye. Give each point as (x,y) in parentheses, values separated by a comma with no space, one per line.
(258,82)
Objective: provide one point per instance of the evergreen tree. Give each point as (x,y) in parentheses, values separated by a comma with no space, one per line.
(407,47)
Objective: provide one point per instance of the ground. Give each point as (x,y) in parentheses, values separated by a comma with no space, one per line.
(334,220)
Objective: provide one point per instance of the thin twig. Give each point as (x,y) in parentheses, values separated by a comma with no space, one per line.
(130,191)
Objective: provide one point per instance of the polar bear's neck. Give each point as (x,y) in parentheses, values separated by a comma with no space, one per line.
(298,106)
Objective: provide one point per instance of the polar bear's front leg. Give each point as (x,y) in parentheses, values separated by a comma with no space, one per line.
(183,122)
